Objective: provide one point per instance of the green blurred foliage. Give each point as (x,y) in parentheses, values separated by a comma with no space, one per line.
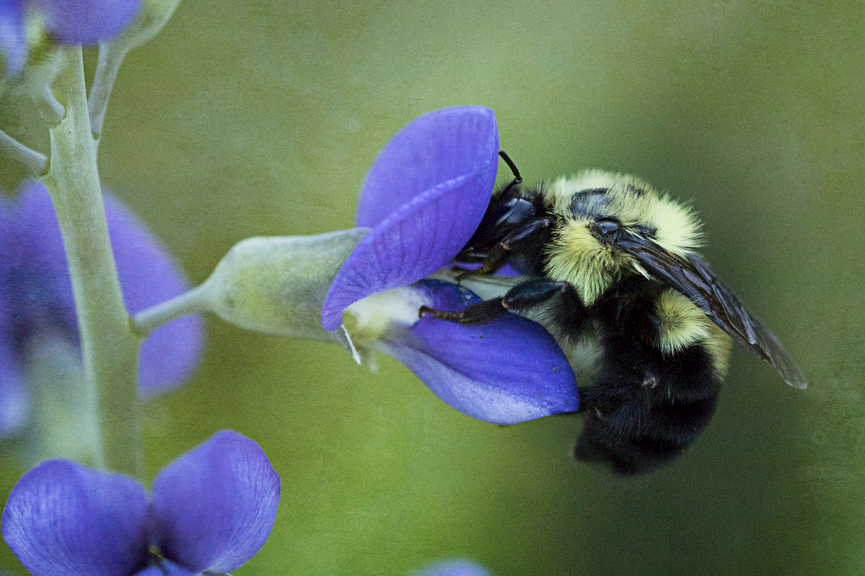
(252,118)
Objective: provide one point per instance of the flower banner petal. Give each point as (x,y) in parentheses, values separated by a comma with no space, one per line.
(506,371)
(62,518)
(214,507)
(433,148)
(426,194)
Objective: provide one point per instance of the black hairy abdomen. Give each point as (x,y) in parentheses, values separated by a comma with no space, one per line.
(646,409)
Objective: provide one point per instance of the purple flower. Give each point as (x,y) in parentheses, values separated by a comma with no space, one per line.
(454,567)
(69,21)
(36,295)
(424,197)
(211,509)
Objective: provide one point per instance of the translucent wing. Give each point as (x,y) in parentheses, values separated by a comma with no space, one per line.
(693,278)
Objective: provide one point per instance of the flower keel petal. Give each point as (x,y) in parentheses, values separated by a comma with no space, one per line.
(506,371)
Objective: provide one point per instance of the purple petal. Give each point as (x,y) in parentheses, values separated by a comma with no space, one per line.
(453,567)
(214,507)
(506,371)
(165,569)
(35,263)
(87,21)
(35,275)
(62,518)
(12,46)
(425,194)
(433,148)
(13,394)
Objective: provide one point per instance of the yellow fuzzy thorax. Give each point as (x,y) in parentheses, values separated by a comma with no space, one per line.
(576,256)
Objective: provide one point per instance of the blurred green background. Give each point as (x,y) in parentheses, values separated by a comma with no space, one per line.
(261,118)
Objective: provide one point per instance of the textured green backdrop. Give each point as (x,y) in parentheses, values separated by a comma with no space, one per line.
(261,117)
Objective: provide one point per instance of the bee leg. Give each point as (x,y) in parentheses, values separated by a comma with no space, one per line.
(479,313)
(534,292)
(521,296)
(532,234)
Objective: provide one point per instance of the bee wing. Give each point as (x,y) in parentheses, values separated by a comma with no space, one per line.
(693,278)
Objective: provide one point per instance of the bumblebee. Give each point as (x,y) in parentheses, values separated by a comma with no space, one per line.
(608,267)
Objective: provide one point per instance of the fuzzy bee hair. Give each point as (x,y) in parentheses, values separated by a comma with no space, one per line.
(610,270)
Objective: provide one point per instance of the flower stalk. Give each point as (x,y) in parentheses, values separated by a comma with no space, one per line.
(34,162)
(109,345)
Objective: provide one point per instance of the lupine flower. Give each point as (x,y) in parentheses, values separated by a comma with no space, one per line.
(68,21)
(36,296)
(424,197)
(210,510)
(420,203)
(453,567)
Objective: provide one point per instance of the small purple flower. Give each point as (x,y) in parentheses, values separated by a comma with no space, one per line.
(36,295)
(453,567)
(424,197)
(211,510)
(69,21)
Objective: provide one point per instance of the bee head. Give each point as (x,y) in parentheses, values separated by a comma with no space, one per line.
(602,216)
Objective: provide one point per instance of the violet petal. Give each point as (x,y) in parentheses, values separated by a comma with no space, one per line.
(13,394)
(214,507)
(425,194)
(165,568)
(87,21)
(453,567)
(12,46)
(431,149)
(34,266)
(62,518)
(506,371)
(35,260)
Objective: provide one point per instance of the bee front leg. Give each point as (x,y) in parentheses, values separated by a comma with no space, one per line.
(520,297)
(523,240)
(479,313)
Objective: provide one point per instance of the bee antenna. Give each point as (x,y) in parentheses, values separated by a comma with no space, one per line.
(517,178)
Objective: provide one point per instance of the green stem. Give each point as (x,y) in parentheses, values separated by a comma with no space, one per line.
(107,66)
(34,162)
(191,302)
(109,345)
